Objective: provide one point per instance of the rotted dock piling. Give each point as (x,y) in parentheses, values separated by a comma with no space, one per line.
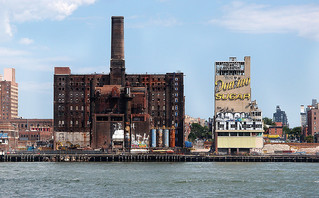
(152,158)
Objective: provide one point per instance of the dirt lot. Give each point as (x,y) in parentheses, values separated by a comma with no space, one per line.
(307,148)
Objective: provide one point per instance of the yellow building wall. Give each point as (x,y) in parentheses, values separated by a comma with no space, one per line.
(237,105)
(239,142)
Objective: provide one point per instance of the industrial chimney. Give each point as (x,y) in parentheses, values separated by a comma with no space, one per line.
(117,45)
(117,73)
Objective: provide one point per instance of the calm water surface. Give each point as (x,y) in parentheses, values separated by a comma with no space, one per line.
(159,179)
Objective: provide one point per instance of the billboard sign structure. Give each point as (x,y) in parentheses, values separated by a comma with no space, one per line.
(238,121)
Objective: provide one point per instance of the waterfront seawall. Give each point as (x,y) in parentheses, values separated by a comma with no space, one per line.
(152,158)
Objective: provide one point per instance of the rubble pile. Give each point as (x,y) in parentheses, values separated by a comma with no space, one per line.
(282,148)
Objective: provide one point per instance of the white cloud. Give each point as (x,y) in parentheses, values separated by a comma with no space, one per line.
(26,61)
(254,18)
(133,17)
(27,85)
(57,59)
(159,21)
(27,64)
(163,1)
(26,41)
(140,21)
(89,70)
(7,27)
(6,52)
(36,87)
(168,22)
(18,11)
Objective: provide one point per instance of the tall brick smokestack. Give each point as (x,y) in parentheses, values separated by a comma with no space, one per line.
(117,45)
(117,73)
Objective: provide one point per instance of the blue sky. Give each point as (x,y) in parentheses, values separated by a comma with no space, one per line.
(281,36)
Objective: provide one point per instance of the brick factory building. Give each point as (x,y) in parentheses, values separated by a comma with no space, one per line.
(8,137)
(23,133)
(238,121)
(34,132)
(8,95)
(275,133)
(118,110)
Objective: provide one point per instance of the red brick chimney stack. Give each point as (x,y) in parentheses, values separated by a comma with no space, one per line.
(117,70)
(117,45)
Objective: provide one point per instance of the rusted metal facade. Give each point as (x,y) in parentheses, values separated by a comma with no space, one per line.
(104,105)
(165,100)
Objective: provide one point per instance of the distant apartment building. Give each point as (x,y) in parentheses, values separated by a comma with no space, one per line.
(303,121)
(303,116)
(309,119)
(280,116)
(313,122)
(8,95)
(314,102)
(238,120)
(191,120)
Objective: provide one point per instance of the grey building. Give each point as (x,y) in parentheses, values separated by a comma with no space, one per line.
(280,116)
(303,116)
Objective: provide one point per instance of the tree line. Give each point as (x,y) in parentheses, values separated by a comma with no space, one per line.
(199,132)
(202,132)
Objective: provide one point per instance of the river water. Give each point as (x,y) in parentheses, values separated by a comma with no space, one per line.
(192,179)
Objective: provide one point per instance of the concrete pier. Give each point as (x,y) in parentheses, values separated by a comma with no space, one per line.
(65,157)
